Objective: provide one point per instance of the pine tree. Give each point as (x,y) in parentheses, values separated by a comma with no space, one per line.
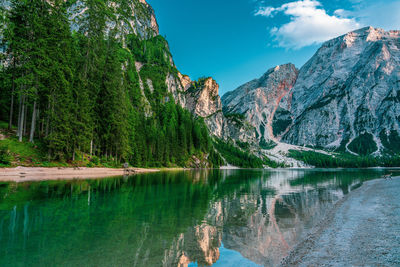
(59,82)
(79,90)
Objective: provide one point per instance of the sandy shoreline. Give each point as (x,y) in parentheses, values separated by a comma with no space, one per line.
(24,174)
(363,229)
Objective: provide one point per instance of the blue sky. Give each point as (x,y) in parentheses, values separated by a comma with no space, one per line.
(235,41)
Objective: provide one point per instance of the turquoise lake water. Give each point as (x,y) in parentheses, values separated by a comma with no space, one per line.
(187,218)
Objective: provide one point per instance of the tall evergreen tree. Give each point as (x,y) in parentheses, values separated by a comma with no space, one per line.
(78,89)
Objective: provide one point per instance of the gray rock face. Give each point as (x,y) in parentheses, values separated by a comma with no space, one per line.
(262,99)
(347,96)
(136,17)
(177,88)
(202,99)
(350,89)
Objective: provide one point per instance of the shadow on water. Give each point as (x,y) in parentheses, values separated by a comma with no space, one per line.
(169,218)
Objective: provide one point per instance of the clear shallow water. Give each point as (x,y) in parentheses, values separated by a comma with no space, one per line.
(192,218)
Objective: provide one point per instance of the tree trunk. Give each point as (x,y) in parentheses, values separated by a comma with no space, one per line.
(38,121)
(42,127)
(33,124)
(91,147)
(47,120)
(12,98)
(19,114)
(22,119)
(11,107)
(25,120)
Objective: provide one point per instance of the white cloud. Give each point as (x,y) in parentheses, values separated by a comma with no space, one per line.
(309,24)
(265,11)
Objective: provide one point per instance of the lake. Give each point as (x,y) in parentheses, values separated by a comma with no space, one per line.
(186,218)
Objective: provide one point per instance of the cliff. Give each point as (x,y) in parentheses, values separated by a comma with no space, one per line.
(348,94)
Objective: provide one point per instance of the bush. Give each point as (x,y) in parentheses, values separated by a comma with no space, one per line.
(90,165)
(5,156)
(95,160)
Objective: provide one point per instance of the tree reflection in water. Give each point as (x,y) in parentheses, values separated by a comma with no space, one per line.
(167,219)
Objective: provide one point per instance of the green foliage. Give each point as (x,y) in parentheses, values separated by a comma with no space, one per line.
(95,160)
(88,91)
(197,85)
(281,121)
(363,145)
(272,164)
(235,116)
(391,142)
(343,160)
(3,125)
(169,138)
(235,156)
(5,156)
(267,145)
(151,51)
(23,153)
(243,145)
(279,126)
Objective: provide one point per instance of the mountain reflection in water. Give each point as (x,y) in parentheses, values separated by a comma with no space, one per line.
(168,218)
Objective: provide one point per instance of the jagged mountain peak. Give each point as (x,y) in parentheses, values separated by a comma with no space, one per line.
(360,37)
(261,98)
(345,97)
(371,34)
(273,76)
(185,80)
(349,91)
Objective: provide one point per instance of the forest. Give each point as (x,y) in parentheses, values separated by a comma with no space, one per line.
(77,93)
(344,160)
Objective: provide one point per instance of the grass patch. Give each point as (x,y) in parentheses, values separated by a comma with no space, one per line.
(14,153)
(21,153)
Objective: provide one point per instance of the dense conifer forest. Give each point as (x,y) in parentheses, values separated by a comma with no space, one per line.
(344,160)
(78,93)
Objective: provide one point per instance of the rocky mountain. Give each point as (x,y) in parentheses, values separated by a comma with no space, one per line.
(202,98)
(128,17)
(346,97)
(262,100)
(348,94)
